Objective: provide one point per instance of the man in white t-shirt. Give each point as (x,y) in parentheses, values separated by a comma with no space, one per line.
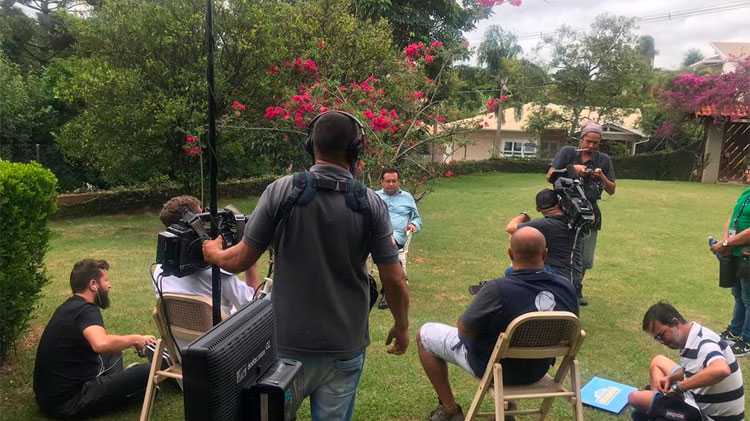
(234,292)
(708,375)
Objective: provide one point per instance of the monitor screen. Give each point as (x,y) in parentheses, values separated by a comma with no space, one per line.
(238,350)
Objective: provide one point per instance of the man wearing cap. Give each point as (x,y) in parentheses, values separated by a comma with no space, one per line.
(597,173)
(563,248)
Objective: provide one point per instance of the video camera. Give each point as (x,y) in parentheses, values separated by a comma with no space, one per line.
(179,248)
(573,201)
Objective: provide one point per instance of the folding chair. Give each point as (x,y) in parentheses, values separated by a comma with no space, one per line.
(189,316)
(535,335)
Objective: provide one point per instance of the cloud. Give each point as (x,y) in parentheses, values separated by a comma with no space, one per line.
(672,37)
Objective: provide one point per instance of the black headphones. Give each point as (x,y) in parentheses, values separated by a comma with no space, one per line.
(355,146)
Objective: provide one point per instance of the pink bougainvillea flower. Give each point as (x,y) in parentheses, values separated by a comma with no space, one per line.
(449,173)
(516,2)
(191,139)
(192,150)
(323,109)
(436,44)
(273,112)
(238,106)
(368,114)
(492,105)
(380,123)
(273,70)
(418,95)
(429,59)
(504,98)
(310,66)
(441,119)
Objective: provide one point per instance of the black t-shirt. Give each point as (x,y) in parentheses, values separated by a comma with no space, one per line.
(559,238)
(64,358)
(568,155)
(502,300)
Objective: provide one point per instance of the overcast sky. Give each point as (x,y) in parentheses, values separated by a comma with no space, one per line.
(673,38)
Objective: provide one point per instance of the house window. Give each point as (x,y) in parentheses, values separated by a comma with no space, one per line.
(519,149)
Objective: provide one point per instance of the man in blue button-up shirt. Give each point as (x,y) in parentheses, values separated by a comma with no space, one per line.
(401,206)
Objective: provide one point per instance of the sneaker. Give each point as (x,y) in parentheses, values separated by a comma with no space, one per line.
(382,304)
(729,337)
(474,289)
(439,414)
(582,301)
(741,348)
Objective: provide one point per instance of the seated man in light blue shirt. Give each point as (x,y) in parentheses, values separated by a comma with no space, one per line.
(401,206)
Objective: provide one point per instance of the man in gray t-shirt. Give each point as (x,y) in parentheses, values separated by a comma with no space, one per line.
(321,292)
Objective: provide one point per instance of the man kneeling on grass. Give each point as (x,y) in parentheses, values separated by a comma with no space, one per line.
(78,370)
(526,289)
(708,376)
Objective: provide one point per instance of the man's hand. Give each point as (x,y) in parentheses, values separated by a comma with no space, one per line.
(400,339)
(211,249)
(580,169)
(599,174)
(664,384)
(411,228)
(719,248)
(142,340)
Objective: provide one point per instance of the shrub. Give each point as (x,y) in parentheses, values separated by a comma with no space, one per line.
(677,165)
(27,199)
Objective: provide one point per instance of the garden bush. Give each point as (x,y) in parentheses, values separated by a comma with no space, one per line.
(27,199)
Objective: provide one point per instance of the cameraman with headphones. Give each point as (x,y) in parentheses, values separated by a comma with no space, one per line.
(597,174)
(563,244)
(322,224)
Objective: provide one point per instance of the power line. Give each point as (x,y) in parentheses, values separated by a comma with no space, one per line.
(667,16)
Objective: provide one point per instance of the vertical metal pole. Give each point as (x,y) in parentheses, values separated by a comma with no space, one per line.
(215,271)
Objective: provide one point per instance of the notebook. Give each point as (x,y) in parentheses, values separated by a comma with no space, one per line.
(606,394)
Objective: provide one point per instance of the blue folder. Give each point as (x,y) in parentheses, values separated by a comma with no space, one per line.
(606,394)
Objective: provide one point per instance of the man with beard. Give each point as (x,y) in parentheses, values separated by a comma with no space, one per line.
(78,370)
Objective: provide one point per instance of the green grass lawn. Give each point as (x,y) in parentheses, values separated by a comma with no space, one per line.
(652,247)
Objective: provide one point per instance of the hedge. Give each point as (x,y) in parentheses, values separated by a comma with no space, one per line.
(27,199)
(677,165)
(126,200)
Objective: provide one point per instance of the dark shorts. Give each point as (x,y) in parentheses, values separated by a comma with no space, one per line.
(669,408)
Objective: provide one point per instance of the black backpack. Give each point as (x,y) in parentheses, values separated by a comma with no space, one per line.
(305,186)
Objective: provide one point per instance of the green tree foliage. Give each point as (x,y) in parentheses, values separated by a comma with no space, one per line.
(497,46)
(412,21)
(27,199)
(137,80)
(599,70)
(647,49)
(692,56)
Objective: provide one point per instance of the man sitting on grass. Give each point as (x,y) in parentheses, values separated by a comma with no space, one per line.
(708,373)
(78,370)
(470,345)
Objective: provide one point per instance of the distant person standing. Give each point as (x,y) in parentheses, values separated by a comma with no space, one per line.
(597,174)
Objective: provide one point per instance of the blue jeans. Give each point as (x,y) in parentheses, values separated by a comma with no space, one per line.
(331,385)
(740,324)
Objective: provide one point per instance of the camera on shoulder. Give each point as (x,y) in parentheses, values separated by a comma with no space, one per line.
(179,248)
(573,201)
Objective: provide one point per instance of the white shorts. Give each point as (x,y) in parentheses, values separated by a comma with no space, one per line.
(443,342)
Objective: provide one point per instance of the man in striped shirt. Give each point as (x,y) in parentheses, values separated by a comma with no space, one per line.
(707,373)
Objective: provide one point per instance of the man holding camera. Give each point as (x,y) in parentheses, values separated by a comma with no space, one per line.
(322,225)
(597,174)
(708,375)
(234,292)
(78,370)
(563,248)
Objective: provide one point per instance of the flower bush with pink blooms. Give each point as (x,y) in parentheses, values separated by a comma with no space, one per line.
(398,110)
(723,96)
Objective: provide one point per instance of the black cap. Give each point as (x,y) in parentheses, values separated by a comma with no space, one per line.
(546,199)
